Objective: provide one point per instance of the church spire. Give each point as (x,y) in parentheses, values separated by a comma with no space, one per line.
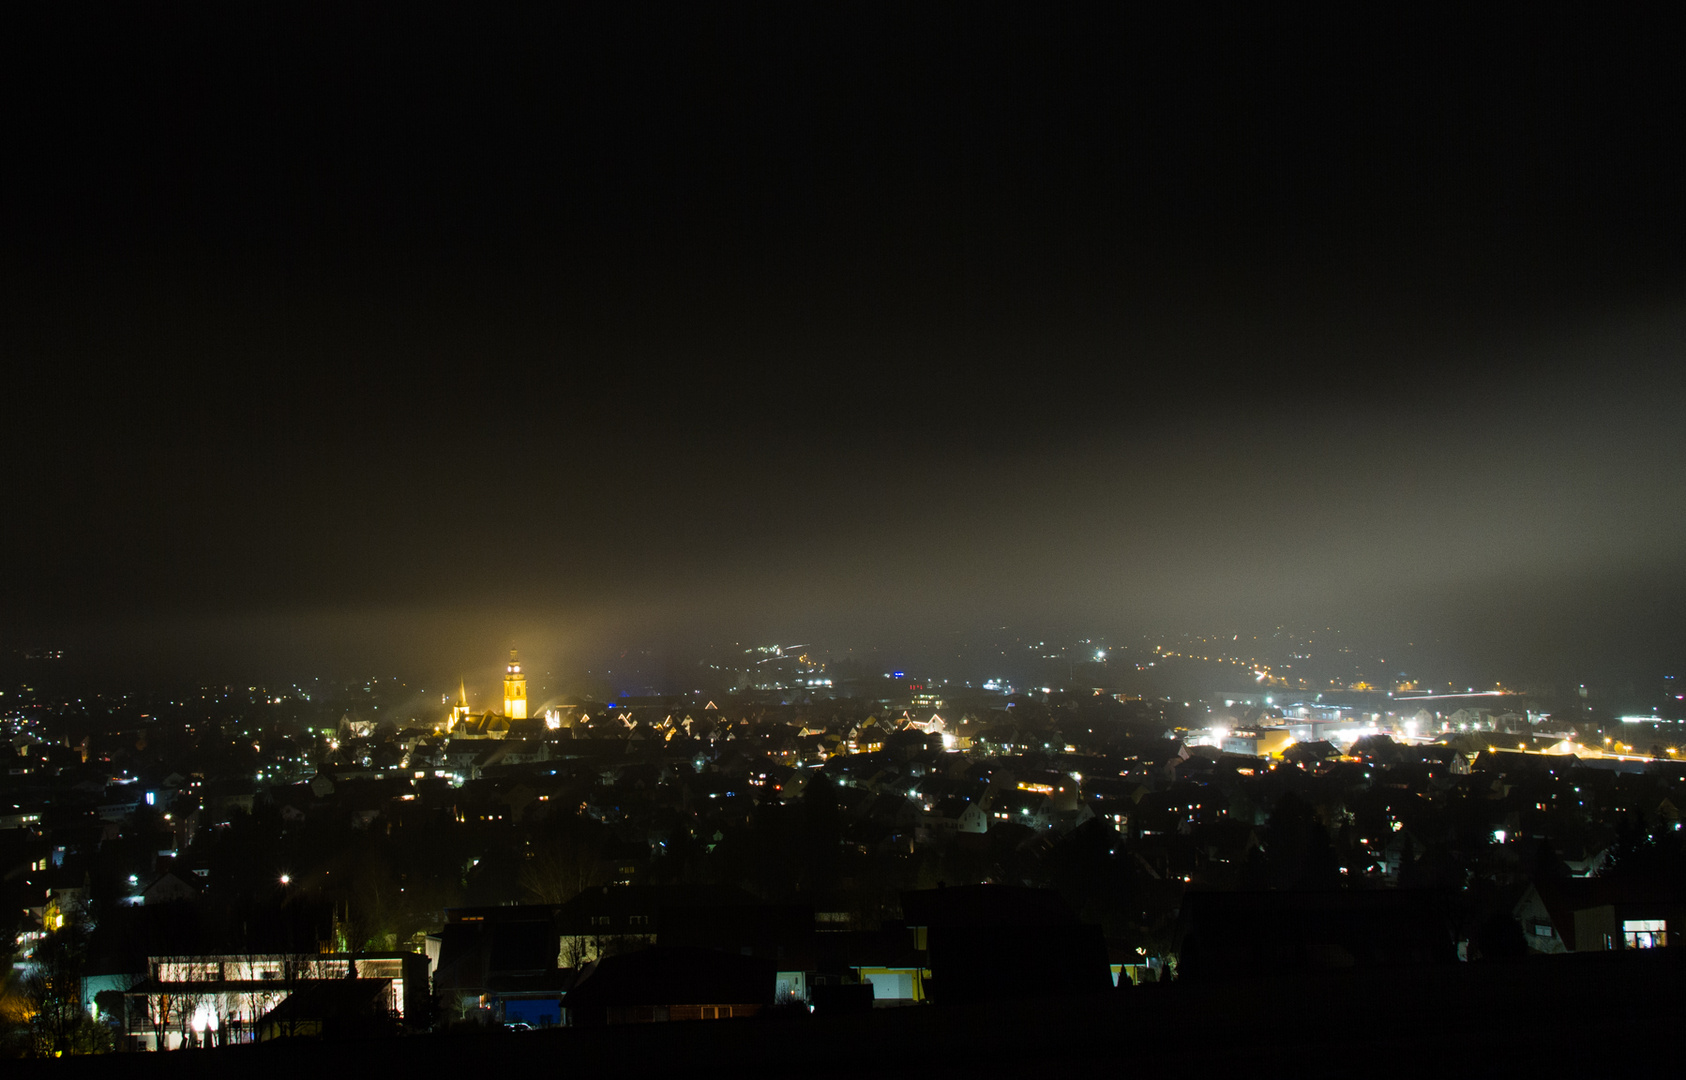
(459,711)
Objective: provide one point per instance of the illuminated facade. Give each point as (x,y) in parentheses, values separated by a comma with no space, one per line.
(462,723)
(216,1000)
(514,690)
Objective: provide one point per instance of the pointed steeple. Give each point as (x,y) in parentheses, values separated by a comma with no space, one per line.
(459,711)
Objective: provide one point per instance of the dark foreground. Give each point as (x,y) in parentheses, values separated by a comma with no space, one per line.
(1594,1015)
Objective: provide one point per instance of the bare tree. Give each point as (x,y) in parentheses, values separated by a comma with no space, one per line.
(562,860)
(53,991)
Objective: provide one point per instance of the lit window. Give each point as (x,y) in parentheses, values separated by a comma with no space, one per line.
(1644,933)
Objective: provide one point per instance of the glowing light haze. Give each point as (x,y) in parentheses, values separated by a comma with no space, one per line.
(374,345)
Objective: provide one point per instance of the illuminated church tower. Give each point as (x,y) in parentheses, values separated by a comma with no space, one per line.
(514,690)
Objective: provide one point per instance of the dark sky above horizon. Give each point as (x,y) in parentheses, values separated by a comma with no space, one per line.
(381,336)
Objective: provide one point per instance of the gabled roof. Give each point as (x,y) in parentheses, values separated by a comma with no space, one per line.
(1563,898)
(1320,750)
(167,886)
(1224,934)
(666,975)
(952,806)
(985,905)
(330,999)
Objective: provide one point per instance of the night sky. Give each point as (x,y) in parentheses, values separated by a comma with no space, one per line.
(377,338)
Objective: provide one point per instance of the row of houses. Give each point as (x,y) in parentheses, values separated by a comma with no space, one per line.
(663,952)
(617,955)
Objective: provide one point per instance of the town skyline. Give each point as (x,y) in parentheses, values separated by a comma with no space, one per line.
(895,538)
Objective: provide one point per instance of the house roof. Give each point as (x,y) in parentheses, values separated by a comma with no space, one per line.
(331,998)
(1565,897)
(1236,933)
(666,975)
(985,905)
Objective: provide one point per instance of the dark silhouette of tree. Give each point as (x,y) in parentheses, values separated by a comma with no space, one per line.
(1547,864)
(1086,869)
(1321,868)
(1652,856)
(562,858)
(1500,937)
(682,858)
(53,990)
(817,858)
